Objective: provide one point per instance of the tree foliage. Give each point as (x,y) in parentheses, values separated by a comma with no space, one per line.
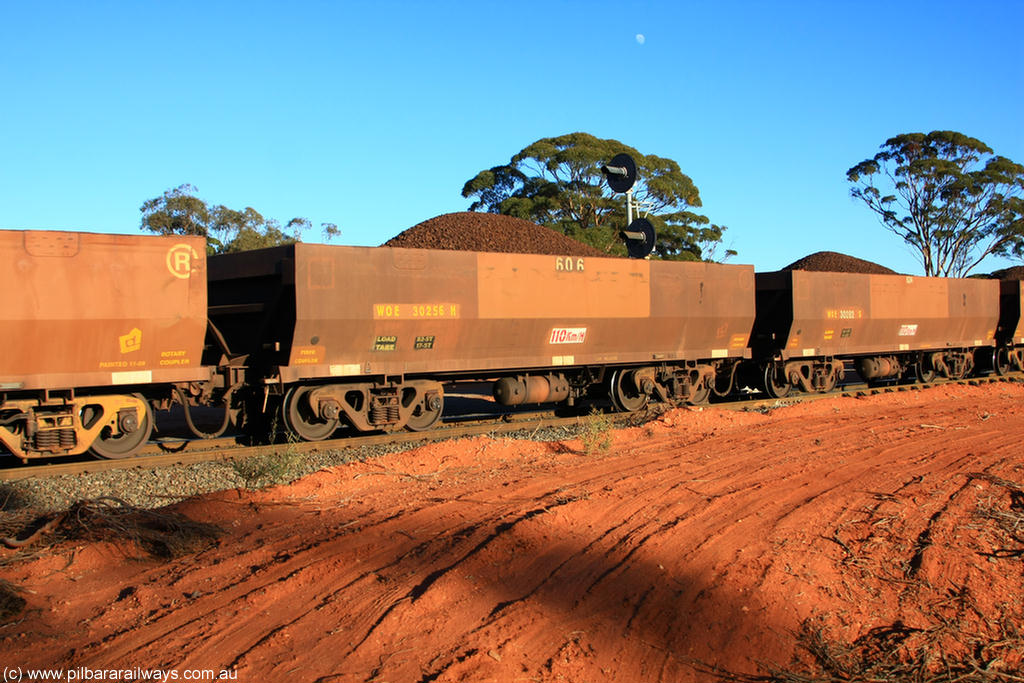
(557,182)
(948,196)
(179,212)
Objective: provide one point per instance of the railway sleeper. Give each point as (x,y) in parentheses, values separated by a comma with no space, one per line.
(109,426)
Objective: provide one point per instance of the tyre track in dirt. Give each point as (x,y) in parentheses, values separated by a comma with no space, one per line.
(702,539)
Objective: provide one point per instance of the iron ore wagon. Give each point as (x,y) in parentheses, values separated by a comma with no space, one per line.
(369,336)
(889,326)
(100,327)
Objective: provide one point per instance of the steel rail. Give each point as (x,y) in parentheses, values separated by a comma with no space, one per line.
(227,450)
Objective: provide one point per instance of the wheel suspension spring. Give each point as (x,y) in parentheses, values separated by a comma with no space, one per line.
(48,439)
(55,439)
(382,413)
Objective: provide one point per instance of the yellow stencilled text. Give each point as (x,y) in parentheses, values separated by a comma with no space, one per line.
(174,358)
(418,311)
(106,364)
(307,355)
(844,314)
(568,264)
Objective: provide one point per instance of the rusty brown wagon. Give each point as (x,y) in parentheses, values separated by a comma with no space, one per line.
(100,329)
(369,336)
(888,326)
(91,324)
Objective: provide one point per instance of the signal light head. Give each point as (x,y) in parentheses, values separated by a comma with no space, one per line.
(620,173)
(639,237)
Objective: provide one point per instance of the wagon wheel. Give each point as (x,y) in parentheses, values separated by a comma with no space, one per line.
(924,375)
(125,445)
(624,395)
(775,388)
(427,413)
(699,395)
(1001,361)
(302,420)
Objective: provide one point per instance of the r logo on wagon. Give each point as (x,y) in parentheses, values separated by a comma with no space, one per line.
(179,260)
(568,335)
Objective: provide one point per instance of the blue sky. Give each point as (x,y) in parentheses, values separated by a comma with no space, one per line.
(373,115)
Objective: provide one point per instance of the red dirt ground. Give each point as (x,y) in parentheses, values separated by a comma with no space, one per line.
(704,539)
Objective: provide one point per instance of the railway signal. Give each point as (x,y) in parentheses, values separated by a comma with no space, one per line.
(620,173)
(639,234)
(639,238)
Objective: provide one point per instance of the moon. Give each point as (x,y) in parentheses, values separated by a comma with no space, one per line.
(640,38)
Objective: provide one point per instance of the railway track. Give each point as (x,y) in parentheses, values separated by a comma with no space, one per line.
(227,449)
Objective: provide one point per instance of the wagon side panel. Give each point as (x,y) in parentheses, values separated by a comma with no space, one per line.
(92,310)
(364,311)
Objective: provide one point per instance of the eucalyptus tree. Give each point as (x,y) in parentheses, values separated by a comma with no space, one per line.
(557,182)
(948,196)
(179,211)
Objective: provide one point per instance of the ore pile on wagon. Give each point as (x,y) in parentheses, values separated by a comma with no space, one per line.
(834,262)
(1012,273)
(472,231)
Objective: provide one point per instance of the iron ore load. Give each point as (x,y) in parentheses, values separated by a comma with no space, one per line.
(105,333)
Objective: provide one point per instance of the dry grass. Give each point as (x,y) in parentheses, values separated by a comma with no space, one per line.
(897,653)
(597,432)
(157,533)
(259,471)
(1009,519)
(955,639)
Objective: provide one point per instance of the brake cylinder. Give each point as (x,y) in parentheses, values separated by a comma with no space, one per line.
(878,367)
(514,391)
